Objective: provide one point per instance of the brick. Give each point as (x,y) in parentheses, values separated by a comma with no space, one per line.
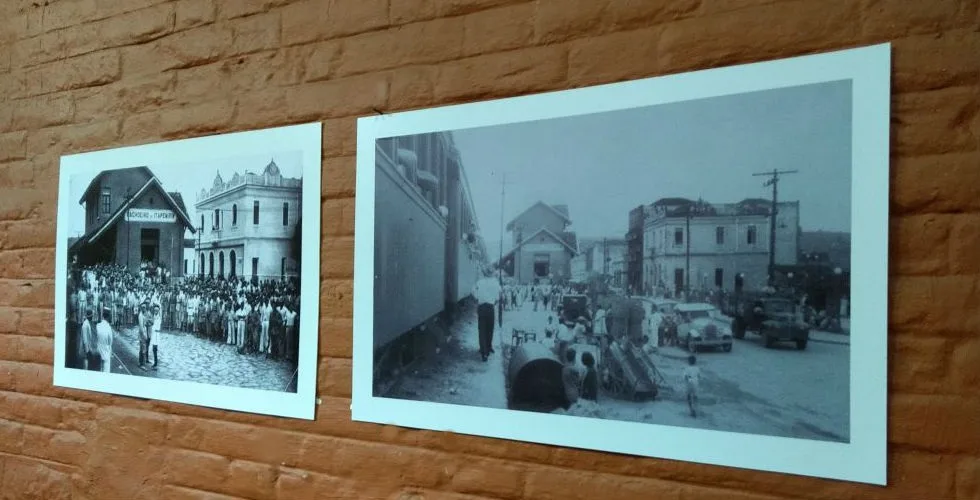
(262,108)
(337,258)
(335,338)
(311,20)
(170,492)
(68,12)
(250,479)
(17,174)
(43,111)
(206,117)
(404,11)
(935,122)
(25,264)
(11,436)
(968,478)
(628,14)
(321,60)
(34,480)
(130,28)
(193,13)
(335,376)
(25,233)
(964,240)
(338,294)
(964,366)
(521,72)
(923,303)
(89,70)
(918,364)
(619,56)
(66,447)
(411,87)
(12,147)
(238,8)
(235,441)
(74,138)
(556,20)
(334,98)
(934,422)
(936,183)
(339,177)
(499,29)
(129,96)
(339,137)
(195,469)
(38,322)
(549,483)
(417,43)
(885,19)
(255,33)
(930,62)
(917,475)
(923,240)
(185,49)
(303,485)
(757,33)
(492,478)
(345,458)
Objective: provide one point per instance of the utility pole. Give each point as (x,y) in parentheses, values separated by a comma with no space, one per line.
(687,261)
(774,182)
(500,259)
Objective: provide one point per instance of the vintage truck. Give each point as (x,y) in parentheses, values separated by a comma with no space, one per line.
(774,318)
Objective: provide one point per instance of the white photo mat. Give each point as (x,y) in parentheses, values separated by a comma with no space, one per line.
(304,139)
(862,459)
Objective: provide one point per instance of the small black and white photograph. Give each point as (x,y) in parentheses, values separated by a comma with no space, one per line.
(190,271)
(684,265)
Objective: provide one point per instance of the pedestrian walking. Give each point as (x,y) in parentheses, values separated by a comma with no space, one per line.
(571,379)
(692,380)
(104,337)
(155,328)
(487,293)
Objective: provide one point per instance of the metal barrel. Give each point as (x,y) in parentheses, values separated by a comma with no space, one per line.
(535,379)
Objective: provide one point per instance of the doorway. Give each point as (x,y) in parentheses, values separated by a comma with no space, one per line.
(149,245)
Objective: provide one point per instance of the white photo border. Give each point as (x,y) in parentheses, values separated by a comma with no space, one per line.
(862,459)
(306,139)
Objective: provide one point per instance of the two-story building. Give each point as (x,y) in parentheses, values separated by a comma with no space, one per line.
(634,249)
(131,219)
(703,246)
(541,247)
(248,225)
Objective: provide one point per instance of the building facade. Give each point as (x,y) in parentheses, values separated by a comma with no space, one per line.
(130,220)
(542,249)
(248,226)
(634,249)
(693,245)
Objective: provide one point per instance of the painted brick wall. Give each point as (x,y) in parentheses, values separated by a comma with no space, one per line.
(77,75)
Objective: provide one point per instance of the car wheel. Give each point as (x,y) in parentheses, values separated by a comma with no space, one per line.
(769,340)
(690,345)
(727,348)
(801,344)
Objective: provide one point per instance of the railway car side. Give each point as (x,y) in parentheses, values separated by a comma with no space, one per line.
(410,246)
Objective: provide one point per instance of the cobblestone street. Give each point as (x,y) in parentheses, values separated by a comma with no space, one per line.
(183,356)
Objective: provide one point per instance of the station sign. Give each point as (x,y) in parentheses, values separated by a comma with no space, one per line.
(150,215)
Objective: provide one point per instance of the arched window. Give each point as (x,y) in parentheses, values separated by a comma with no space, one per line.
(221,264)
(285,214)
(202,230)
(211,264)
(217,218)
(232,264)
(234,215)
(255,212)
(200,266)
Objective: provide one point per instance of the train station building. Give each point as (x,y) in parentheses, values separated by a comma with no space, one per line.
(131,219)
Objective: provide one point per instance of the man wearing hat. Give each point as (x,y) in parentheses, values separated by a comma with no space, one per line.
(103,344)
(86,342)
(145,326)
(487,294)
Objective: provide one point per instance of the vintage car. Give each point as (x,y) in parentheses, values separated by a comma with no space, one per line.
(574,307)
(698,327)
(772,317)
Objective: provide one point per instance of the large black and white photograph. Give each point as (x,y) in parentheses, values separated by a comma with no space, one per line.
(679,265)
(178,268)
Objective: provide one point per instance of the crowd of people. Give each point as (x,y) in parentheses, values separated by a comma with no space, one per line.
(258,317)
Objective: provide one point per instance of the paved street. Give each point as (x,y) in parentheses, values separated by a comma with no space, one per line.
(780,391)
(184,356)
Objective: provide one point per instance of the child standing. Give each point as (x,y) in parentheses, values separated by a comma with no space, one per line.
(692,378)
(590,384)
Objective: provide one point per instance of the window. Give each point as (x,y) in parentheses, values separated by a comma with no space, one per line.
(750,236)
(719,277)
(217,219)
(202,223)
(285,214)
(720,235)
(255,266)
(282,271)
(255,212)
(185,266)
(678,236)
(106,201)
(234,215)
(542,265)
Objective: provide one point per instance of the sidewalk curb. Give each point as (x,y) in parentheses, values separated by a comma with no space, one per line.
(822,341)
